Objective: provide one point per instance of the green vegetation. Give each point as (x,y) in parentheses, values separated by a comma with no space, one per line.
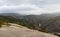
(9,19)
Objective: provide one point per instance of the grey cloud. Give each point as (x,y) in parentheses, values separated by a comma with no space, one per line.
(8,11)
(42,3)
(16,2)
(4,10)
(39,3)
(25,9)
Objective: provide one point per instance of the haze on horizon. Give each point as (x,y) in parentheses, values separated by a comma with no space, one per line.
(29,6)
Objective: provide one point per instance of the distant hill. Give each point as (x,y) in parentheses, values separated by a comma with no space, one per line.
(13,14)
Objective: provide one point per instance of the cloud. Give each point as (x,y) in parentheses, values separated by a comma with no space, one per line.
(51,8)
(23,8)
(30,6)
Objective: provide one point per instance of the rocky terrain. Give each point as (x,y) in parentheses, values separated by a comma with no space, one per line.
(19,31)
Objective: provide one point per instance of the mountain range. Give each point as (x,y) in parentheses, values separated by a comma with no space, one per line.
(49,22)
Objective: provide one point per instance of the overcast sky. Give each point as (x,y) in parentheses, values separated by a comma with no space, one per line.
(29,6)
